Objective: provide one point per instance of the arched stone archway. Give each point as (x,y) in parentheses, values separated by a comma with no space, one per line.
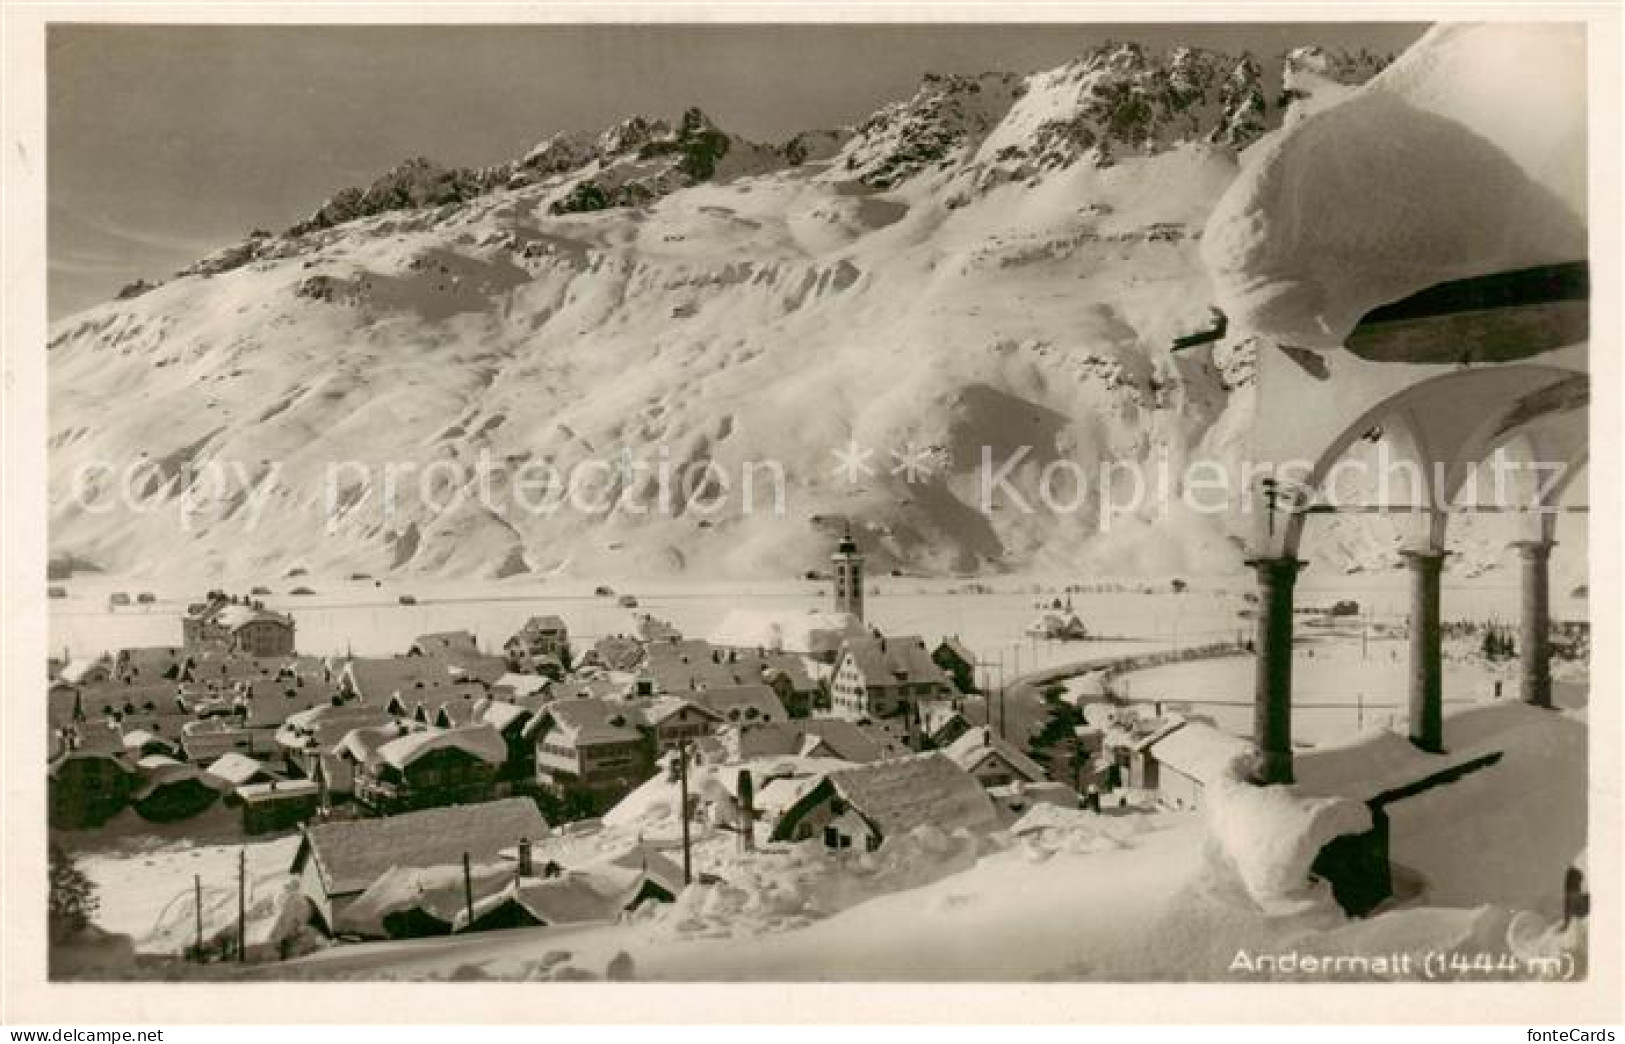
(1445,418)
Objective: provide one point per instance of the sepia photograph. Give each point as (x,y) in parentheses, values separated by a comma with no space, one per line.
(849,501)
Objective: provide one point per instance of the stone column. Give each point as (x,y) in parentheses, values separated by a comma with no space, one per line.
(1427,661)
(1272,669)
(1535,630)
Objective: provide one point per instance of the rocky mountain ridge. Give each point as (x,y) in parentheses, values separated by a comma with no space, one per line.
(991,269)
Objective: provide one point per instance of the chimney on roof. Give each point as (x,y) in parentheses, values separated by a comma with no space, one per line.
(526,869)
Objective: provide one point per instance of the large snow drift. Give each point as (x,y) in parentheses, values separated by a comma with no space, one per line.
(1466,156)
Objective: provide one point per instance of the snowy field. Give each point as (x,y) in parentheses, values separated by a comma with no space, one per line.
(1341,685)
(366,617)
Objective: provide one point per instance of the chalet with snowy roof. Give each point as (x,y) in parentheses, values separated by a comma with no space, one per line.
(170,790)
(443,643)
(993,760)
(681,667)
(278,804)
(428,767)
(510,719)
(541,638)
(228,773)
(591,750)
(742,704)
(831,738)
(597,687)
(957,662)
(614,652)
(863,805)
(307,739)
(430,901)
(521,686)
(1178,762)
(89,780)
(375,680)
(239,625)
(337,861)
(879,678)
(675,721)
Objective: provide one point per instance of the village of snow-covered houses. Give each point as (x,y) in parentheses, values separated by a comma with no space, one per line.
(913,721)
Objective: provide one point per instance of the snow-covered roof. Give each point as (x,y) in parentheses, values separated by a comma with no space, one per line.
(830,737)
(232,617)
(571,899)
(902,659)
(480,741)
(1031,795)
(589,721)
(278,789)
(684,666)
(360,744)
(779,793)
(500,715)
(523,684)
(630,866)
(139,738)
(439,891)
(1198,751)
(442,642)
(547,623)
(351,854)
(976,744)
(903,793)
(323,726)
(158,771)
(78,670)
(787,630)
(658,710)
(746,703)
(235,769)
(1465,157)
(377,678)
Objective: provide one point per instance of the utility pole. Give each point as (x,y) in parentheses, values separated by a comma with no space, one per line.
(747,810)
(242,905)
(197,910)
(468,888)
(682,782)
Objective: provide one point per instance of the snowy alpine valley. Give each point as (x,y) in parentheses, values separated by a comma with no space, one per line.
(1119,520)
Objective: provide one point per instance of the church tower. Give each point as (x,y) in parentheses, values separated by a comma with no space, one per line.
(848,575)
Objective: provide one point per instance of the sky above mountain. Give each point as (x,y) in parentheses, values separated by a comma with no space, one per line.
(165,143)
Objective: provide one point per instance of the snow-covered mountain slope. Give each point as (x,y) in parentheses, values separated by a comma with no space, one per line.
(996,265)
